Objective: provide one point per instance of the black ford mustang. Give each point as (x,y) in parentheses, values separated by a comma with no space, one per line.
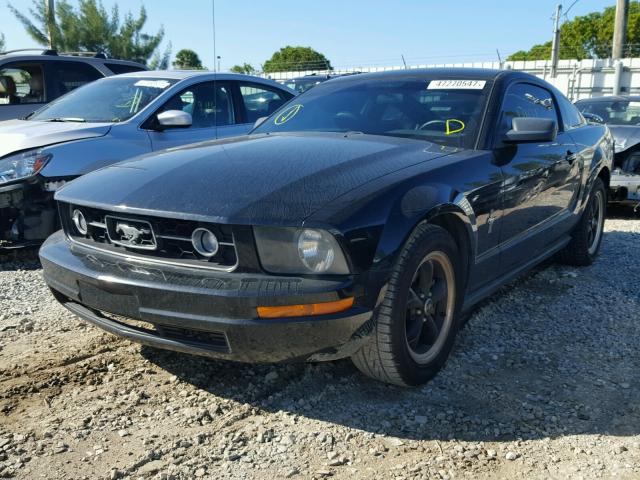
(362,219)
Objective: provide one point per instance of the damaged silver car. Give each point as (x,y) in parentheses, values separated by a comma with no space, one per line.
(622,115)
(110,120)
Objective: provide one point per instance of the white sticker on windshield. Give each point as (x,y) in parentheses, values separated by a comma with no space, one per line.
(456,85)
(161,84)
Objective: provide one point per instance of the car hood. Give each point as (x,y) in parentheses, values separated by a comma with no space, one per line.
(17,135)
(277,179)
(625,136)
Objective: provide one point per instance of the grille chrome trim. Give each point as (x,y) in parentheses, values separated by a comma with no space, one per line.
(161,254)
(156,260)
(188,239)
(174,237)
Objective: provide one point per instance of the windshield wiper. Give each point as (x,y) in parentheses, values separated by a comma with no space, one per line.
(66,119)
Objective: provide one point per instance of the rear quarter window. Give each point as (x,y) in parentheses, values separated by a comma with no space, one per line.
(571,116)
(67,76)
(118,68)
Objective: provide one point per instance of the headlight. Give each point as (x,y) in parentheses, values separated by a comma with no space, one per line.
(22,165)
(299,251)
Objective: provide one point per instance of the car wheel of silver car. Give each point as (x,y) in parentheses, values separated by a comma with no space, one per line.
(587,235)
(416,324)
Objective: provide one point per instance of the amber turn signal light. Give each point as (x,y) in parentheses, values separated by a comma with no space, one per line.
(306,310)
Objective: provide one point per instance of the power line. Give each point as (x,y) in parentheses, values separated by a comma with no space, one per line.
(570,7)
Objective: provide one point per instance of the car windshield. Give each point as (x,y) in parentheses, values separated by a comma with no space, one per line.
(615,112)
(110,100)
(447,112)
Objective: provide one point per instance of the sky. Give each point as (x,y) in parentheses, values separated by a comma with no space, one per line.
(351,33)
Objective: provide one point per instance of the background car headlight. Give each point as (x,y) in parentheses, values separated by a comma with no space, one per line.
(299,251)
(22,165)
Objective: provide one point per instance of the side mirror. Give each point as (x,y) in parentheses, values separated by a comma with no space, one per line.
(593,118)
(524,130)
(259,122)
(174,119)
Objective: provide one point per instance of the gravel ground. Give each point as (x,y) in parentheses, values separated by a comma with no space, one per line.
(543,383)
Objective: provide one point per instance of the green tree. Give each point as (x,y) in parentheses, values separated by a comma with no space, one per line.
(293,59)
(589,36)
(90,27)
(1,42)
(187,60)
(245,68)
(160,60)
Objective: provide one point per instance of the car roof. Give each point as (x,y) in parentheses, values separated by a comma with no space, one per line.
(182,74)
(21,57)
(439,73)
(611,98)
(204,74)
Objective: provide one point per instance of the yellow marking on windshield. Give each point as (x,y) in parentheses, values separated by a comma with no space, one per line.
(288,114)
(450,130)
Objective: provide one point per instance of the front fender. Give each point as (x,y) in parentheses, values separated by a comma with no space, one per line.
(377,226)
(423,203)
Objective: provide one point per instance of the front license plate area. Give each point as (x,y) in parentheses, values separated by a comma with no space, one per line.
(100,299)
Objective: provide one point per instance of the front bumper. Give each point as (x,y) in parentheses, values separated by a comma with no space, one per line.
(624,187)
(204,312)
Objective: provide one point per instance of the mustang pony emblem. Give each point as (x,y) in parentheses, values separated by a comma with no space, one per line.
(130,233)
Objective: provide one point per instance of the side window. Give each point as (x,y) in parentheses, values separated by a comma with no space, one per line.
(571,116)
(67,76)
(259,101)
(526,100)
(118,68)
(21,84)
(206,108)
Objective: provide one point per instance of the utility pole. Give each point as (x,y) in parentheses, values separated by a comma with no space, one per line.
(50,12)
(620,29)
(555,44)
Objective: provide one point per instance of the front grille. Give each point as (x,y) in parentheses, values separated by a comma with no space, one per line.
(159,238)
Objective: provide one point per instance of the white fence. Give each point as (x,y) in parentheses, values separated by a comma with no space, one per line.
(576,78)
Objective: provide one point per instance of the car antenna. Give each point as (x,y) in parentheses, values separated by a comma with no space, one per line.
(405,63)
(215,70)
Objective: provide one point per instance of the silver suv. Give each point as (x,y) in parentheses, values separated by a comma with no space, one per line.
(27,82)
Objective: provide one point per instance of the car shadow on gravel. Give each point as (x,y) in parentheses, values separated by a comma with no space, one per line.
(553,354)
(12,260)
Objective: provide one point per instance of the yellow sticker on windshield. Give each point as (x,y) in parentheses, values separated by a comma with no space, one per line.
(454,126)
(288,114)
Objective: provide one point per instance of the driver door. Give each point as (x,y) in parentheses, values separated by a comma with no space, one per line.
(541,180)
(210,105)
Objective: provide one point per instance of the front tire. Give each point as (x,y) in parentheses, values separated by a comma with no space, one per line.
(586,239)
(416,324)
